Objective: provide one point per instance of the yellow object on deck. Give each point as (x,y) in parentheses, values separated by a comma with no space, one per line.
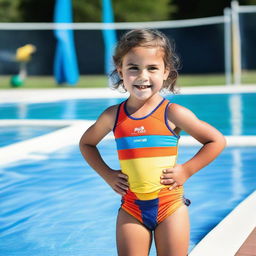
(23,54)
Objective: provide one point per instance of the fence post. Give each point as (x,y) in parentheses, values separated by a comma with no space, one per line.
(228,45)
(236,43)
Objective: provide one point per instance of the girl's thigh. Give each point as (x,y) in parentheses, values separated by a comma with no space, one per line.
(172,234)
(133,239)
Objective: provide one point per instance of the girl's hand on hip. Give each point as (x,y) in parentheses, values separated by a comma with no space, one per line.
(118,182)
(175,176)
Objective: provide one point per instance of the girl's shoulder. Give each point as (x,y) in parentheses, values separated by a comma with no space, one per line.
(179,114)
(111,111)
(108,116)
(175,109)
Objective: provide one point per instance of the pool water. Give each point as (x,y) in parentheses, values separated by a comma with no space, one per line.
(14,134)
(232,114)
(60,206)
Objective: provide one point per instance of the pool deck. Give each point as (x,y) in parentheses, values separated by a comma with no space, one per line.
(234,235)
(47,95)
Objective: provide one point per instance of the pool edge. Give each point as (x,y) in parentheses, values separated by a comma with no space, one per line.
(56,94)
(228,236)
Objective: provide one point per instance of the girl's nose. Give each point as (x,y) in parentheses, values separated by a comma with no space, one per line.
(143,77)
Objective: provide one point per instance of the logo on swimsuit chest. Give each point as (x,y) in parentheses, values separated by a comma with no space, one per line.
(139,130)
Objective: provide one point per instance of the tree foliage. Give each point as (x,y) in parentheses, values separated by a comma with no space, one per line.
(147,10)
(87,10)
(9,11)
(124,10)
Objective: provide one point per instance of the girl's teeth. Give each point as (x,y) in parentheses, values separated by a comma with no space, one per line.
(142,86)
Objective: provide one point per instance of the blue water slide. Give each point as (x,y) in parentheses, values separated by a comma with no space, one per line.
(109,35)
(65,62)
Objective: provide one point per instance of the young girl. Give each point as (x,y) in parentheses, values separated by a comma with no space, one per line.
(146,128)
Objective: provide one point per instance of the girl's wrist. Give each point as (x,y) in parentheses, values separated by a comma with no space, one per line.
(188,170)
(105,173)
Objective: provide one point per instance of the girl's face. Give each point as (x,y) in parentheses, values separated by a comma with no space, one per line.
(143,72)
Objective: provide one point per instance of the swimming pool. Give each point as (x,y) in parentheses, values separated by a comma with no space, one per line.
(55,206)
(59,206)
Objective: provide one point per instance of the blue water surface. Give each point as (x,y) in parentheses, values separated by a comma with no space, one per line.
(232,114)
(13,134)
(59,206)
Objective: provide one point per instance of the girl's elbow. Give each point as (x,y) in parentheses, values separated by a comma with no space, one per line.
(222,141)
(82,144)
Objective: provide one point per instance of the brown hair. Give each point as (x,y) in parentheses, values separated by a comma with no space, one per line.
(146,38)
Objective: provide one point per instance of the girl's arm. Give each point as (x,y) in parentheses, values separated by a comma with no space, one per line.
(92,136)
(213,144)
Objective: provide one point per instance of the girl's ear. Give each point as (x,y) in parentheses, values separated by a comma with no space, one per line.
(120,73)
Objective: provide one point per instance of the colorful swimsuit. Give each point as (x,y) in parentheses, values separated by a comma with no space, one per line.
(146,146)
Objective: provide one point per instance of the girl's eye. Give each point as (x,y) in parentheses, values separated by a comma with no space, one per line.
(153,68)
(133,68)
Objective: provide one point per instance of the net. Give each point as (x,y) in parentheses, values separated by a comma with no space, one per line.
(203,45)
(199,43)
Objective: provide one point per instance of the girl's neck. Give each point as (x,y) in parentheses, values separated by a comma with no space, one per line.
(139,108)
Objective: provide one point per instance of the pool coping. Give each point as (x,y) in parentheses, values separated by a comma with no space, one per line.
(69,133)
(49,95)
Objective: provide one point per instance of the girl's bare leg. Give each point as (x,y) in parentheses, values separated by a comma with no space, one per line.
(172,235)
(133,239)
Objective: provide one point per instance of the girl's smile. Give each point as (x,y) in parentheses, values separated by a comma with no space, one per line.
(142,87)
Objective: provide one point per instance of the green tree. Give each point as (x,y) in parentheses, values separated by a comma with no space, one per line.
(9,11)
(124,10)
(147,10)
(87,10)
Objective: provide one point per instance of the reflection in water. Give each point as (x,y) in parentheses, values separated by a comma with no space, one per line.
(22,110)
(237,175)
(236,118)
(70,110)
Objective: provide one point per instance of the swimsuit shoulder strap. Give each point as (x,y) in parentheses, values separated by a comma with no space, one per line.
(120,115)
(160,111)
